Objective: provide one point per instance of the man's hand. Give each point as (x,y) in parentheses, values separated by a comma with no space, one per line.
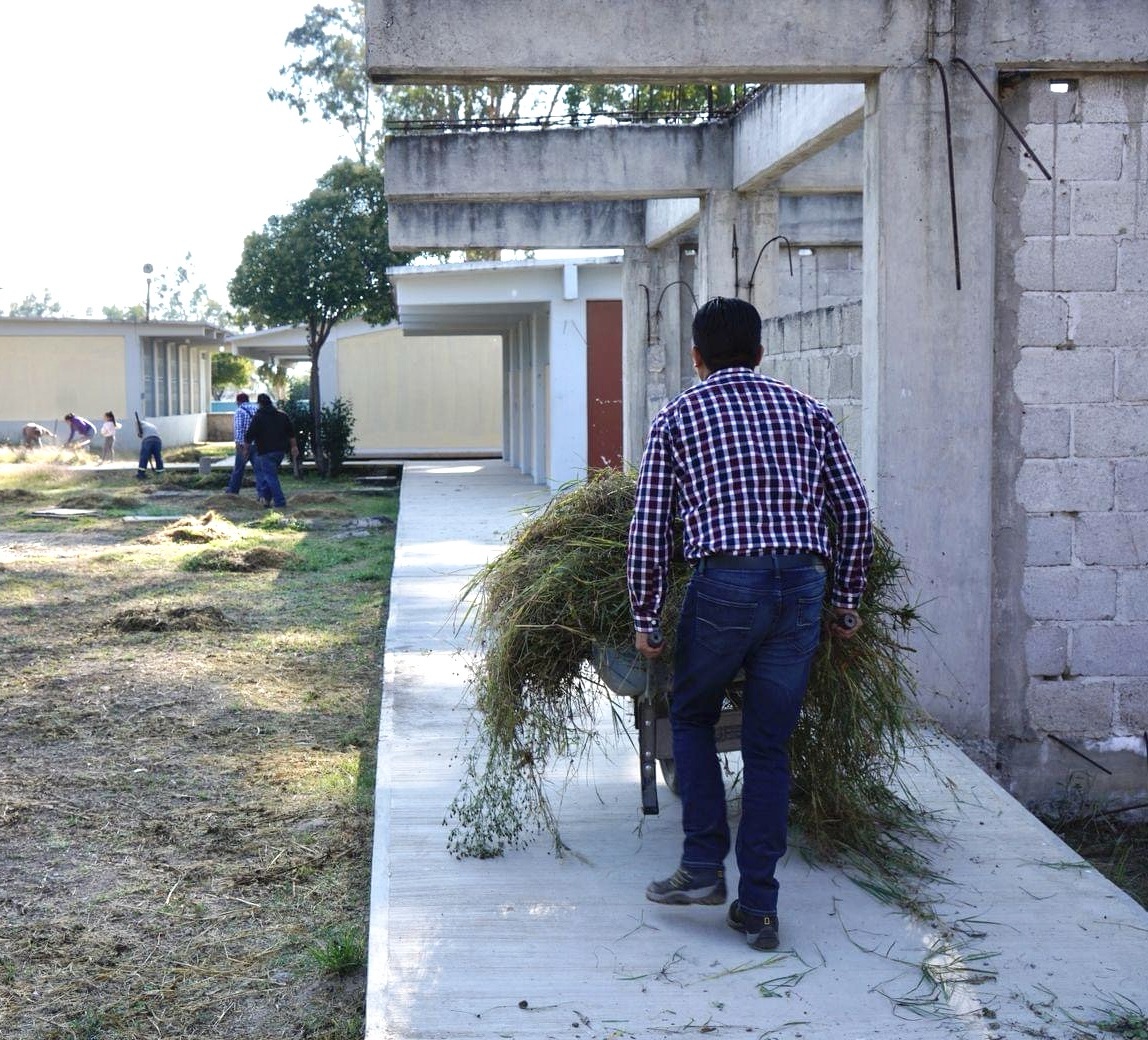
(846,622)
(649,644)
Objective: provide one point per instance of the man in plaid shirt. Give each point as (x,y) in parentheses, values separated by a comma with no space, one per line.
(752,467)
(244,413)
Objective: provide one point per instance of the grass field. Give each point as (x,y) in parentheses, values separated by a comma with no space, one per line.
(187,735)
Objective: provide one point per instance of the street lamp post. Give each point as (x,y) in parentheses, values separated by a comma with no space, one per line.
(147,269)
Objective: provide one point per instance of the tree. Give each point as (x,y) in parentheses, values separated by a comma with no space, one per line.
(169,302)
(229,371)
(329,76)
(328,79)
(322,263)
(277,378)
(33,306)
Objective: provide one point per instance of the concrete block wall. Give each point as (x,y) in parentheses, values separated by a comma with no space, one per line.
(819,353)
(1076,383)
(830,276)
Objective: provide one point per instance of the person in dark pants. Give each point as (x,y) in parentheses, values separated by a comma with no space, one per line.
(80,431)
(273,436)
(751,466)
(151,447)
(244,413)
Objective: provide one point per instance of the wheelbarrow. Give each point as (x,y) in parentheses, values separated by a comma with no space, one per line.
(648,683)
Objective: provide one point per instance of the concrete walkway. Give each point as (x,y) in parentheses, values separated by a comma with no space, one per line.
(1027,940)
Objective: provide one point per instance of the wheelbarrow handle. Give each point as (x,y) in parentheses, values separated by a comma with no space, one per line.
(647,730)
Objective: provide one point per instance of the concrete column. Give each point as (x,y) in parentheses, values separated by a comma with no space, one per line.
(514,396)
(637,306)
(720,212)
(507,399)
(758,222)
(540,360)
(927,371)
(664,356)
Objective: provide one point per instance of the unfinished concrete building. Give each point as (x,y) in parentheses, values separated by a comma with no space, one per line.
(978,327)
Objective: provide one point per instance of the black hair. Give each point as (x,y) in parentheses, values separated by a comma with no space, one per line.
(264,401)
(110,415)
(727,333)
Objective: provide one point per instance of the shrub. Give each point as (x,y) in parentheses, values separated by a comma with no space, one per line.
(337,428)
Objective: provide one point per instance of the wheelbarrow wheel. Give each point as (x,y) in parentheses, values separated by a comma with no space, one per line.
(669,774)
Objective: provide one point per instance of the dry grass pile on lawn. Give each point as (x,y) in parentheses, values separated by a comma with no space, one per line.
(558,591)
(210,527)
(100,500)
(169,619)
(17,494)
(240,560)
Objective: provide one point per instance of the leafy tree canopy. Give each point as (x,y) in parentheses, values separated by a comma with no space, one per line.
(328,77)
(322,263)
(229,371)
(276,377)
(33,306)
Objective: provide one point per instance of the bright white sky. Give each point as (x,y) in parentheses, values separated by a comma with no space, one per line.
(138,131)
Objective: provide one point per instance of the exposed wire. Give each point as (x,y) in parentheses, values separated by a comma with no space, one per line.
(760,253)
(1077,751)
(658,307)
(952,175)
(1004,115)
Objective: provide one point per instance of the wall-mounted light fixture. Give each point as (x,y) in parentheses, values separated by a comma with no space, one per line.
(805,251)
(1061,86)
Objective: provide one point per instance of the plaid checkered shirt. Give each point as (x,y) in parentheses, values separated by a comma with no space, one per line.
(244,413)
(750,464)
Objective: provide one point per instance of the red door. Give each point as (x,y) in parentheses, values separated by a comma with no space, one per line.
(603,383)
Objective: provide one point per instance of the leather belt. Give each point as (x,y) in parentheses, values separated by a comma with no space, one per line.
(769,562)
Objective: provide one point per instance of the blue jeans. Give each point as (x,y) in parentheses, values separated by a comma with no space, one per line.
(767,621)
(150,449)
(235,481)
(267,474)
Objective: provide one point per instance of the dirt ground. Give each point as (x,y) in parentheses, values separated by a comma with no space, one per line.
(187,730)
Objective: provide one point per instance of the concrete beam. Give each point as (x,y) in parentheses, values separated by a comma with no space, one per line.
(516,225)
(631,162)
(813,220)
(668,218)
(459,41)
(783,126)
(1065,34)
(836,170)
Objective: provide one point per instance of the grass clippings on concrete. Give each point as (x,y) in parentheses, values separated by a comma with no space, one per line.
(186,770)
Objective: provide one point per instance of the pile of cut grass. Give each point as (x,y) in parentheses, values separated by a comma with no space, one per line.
(558,591)
(210,527)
